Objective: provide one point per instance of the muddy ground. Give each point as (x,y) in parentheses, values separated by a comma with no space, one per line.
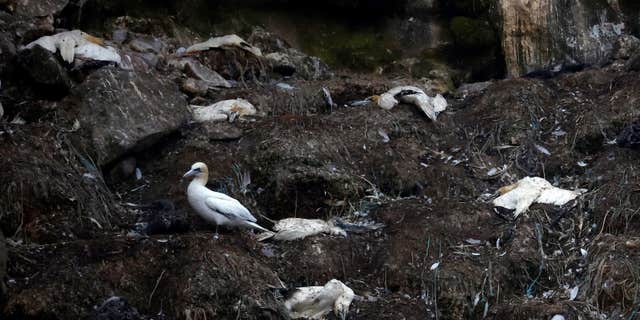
(444,253)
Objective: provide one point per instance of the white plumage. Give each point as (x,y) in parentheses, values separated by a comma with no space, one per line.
(297,228)
(317,301)
(412,95)
(231,40)
(216,207)
(223,110)
(76,43)
(522,194)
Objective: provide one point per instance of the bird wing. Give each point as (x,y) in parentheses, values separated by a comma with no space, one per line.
(557,196)
(232,209)
(520,199)
(421,101)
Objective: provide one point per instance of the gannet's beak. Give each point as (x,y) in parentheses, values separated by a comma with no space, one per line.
(343,314)
(190,173)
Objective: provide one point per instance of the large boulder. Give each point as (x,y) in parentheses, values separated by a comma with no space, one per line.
(540,34)
(121,112)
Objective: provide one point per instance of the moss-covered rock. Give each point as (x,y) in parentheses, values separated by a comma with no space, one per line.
(472,33)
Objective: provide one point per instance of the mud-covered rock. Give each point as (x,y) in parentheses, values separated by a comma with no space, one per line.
(46,69)
(195,69)
(42,183)
(183,276)
(121,111)
(195,86)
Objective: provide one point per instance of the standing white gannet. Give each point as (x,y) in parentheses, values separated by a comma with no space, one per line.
(216,207)
(317,301)
(522,194)
(411,95)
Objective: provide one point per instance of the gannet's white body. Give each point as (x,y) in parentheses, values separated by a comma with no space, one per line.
(231,40)
(412,95)
(522,194)
(77,43)
(317,301)
(216,207)
(223,110)
(297,228)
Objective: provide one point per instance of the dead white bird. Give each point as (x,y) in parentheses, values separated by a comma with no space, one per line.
(411,95)
(297,228)
(76,42)
(216,207)
(231,40)
(528,190)
(317,301)
(223,110)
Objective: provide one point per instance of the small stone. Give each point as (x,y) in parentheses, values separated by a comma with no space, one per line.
(197,70)
(145,45)
(196,87)
(119,35)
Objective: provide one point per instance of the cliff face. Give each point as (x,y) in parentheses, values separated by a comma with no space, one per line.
(538,34)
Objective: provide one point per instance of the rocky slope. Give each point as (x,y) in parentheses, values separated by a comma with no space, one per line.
(92,155)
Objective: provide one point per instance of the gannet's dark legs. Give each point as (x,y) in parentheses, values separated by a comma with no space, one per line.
(215,235)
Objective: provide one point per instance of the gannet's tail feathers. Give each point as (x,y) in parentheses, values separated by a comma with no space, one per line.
(256,226)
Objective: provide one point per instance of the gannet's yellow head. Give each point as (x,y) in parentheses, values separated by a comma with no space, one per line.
(506,189)
(92,39)
(198,170)
(374,98)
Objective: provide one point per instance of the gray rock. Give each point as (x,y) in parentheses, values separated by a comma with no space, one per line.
(196,87)
(293,62)
(146,45)
(44,68)
(197,70)
(122,111)
(39,8)
(626,46)
(119,35)
(633,64)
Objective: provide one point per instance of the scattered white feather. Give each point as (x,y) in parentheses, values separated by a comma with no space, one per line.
(223,110)
(434,266)
(231,40)
(317,301)
(521,195)
(297,228)
(573,293)
(557,317)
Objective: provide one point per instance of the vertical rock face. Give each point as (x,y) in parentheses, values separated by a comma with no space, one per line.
(542,33)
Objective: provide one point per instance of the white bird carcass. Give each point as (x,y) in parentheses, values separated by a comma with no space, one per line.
(317,301)
(297,228)
(231,40)
(528,190)
(79,44)
(223,110)
(216,207)
(412,95)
